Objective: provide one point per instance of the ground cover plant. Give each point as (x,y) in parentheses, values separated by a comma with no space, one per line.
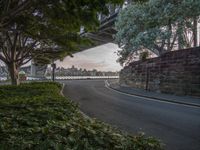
(37,116)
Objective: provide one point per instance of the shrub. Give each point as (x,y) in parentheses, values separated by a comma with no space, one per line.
(144,55)
(36,116)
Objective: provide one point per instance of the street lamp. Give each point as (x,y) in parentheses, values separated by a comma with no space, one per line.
(53,65)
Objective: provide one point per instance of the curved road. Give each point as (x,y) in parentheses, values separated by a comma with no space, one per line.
(175,125)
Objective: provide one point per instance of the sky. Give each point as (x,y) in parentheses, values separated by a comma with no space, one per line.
(102,58)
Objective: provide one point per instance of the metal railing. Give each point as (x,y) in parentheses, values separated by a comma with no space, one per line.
(83,77)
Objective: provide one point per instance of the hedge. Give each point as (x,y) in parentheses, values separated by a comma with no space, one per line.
(36,116)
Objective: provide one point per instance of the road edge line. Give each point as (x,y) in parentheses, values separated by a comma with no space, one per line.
(107,84)
(82,113)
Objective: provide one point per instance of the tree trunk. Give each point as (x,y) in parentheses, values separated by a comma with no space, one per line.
(13,70)
(195,32)
(180,36)
(53,74)
(169,38)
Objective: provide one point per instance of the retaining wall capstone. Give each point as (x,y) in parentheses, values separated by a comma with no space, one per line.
(175,72)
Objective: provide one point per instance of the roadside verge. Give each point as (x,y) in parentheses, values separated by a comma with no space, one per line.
(181,100)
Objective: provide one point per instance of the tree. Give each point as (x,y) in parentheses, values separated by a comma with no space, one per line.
(10,9)
(18,48)
(73,12)
(44,29)
(157,25)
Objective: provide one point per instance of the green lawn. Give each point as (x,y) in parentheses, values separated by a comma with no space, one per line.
(36,116)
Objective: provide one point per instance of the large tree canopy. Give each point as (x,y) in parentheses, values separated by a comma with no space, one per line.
(44,29)
(72,12)
(157,25)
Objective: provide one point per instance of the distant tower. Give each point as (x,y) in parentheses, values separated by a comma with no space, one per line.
(33,69)
(38,70)
(198,34)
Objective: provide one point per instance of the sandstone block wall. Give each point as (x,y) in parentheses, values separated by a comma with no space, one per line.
(176,72)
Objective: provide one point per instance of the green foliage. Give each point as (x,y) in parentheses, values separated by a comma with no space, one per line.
(36,116)
(144,55)
(156,25)
(22,77)
(65,14)
(43,30)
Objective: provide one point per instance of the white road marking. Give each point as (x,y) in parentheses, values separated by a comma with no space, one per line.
(152,99)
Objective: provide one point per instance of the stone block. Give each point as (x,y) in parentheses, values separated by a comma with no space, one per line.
(178,72)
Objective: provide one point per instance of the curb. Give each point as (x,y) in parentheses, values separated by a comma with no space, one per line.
(151,97)
(61,91)
(82,113)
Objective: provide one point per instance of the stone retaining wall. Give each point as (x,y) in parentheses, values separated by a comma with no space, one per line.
(176,72)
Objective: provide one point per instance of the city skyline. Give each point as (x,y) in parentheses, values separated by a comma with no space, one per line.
(92,69)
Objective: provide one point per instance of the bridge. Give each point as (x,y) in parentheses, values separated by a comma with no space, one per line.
(104,34)
(106,31)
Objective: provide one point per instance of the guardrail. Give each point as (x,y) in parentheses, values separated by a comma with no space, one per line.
(83,77)
(67,78)
(3,78)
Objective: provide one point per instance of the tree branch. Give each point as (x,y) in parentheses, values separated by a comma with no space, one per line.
(23,63)
(174,39)
(27,52)
(3,59)
(9,39)
(12,13)
(5,53)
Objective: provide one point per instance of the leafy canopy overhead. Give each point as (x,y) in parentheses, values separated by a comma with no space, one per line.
(57,21)
(72,13)
(52,26)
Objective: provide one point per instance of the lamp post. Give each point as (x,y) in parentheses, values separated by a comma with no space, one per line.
(53,65)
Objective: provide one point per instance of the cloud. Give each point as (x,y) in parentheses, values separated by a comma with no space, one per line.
(101,58)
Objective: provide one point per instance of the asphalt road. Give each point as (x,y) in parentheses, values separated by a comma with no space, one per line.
(175,125)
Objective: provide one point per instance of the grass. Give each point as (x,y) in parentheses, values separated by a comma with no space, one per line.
(36,116)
